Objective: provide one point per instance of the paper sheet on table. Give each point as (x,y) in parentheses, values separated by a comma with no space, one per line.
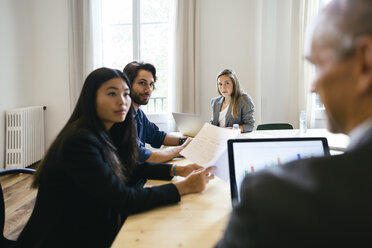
(222,164)
(208,148)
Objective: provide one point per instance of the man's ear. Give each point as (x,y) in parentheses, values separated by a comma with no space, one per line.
(364,45)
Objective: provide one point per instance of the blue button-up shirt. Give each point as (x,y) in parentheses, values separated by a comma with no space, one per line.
(147,132)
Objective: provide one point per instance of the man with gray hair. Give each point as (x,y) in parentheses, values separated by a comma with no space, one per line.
(321,202)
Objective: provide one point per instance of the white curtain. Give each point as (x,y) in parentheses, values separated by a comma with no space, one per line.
(183,91)
(309,10)
(283,70)
(186,97)
(82,43)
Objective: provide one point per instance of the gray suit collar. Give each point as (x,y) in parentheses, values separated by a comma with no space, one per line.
(220,100)
(361,135)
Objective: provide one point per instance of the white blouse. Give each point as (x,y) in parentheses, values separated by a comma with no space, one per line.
(222,117)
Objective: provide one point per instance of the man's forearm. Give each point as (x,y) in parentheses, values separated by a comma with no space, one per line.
(164,155)
(171,140)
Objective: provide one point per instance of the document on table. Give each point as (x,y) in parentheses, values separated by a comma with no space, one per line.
(209,148)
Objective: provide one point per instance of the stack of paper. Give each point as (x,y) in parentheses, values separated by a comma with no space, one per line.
(209,148)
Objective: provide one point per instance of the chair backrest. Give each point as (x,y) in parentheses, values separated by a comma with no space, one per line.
(4,242)
(274,126)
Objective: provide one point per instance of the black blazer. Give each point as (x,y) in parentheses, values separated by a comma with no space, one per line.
(80,200)
(319,202)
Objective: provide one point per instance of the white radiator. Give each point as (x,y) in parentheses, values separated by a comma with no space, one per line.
(24,144)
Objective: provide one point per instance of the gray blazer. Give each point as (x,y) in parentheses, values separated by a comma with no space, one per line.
(245,110)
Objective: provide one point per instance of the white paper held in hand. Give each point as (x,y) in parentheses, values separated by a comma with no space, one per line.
(209,148)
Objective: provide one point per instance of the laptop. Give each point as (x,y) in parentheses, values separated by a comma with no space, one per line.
(188,124)
(248,156)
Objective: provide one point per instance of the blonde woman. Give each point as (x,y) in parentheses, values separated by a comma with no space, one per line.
(232,106)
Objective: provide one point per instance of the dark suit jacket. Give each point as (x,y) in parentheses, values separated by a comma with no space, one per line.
(80,200)
(245,113)
(319,202)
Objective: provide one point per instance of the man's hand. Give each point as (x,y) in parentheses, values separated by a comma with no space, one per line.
(187,141)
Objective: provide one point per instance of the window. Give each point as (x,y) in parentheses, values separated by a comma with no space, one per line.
(318,105)
(318,116)
(139,30)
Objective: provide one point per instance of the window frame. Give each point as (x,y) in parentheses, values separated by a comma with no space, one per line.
(318,117)
(159,118)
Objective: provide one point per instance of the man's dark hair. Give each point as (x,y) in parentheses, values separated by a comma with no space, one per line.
(132,68)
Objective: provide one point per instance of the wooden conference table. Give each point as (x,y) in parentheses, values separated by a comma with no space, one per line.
(198,220)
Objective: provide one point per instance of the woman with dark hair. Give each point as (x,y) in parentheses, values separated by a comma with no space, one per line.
(85,188)
(233,106)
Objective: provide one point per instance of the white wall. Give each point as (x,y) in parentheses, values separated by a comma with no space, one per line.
(226,42)
(34,62)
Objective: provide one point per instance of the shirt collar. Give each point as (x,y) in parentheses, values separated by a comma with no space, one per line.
(359,133)
(135,113)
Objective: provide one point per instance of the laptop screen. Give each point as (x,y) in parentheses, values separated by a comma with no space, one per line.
(251,155)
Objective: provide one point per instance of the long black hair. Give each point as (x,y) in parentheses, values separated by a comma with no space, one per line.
(85,115)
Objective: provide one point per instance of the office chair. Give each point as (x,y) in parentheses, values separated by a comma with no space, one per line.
(274,126)
(4,242)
